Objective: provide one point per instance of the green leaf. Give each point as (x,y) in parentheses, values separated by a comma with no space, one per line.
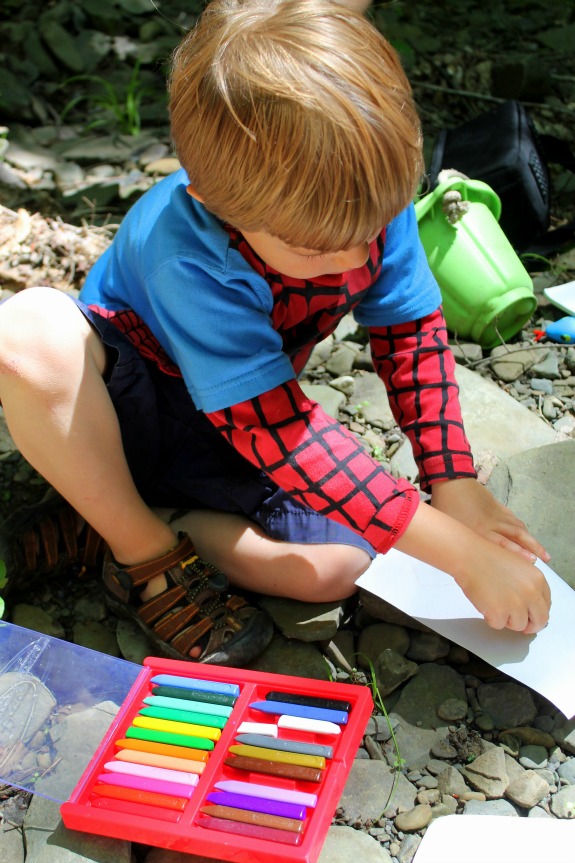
(3,578)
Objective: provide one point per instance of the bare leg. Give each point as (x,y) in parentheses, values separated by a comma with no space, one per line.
(253,561)
(63,421)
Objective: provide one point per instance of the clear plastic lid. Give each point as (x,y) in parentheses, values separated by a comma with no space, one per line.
(57,700)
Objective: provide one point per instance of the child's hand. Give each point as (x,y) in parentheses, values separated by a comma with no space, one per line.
(508,590)
(472,504)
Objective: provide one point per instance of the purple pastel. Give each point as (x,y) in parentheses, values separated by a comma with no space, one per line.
(258,804)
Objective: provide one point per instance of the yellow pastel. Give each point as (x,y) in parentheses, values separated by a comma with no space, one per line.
(177,727)
(278,755)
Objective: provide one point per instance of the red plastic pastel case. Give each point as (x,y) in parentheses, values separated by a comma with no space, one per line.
(181,830)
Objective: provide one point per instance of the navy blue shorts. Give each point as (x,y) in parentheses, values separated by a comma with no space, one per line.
(179,460)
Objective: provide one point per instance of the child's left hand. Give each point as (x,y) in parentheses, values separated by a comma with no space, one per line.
(472,504)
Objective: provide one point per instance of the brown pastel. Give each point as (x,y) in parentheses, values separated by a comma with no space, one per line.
(274,768)
(262,819)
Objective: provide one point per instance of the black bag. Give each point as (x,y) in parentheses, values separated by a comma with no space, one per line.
(503,149)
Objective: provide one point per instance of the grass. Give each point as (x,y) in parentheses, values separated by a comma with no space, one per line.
(398,761)
(117,108)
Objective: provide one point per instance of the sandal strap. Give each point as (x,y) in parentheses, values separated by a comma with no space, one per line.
(57,533)
(181,555)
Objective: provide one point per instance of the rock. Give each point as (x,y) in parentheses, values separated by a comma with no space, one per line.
(564,735)
(26,706)
(293,657)
(96,636)
(527,484)
(508,363)
(391,670)
(563,803)
(368,790)
(306,621)
(527,790)
(378,637)
(508,703)
(491,807)
(487,773)
(414,819)
(452,710)
(427,647)
(48,841)
(533,757)
(450,781)
(343,844)
(421,697)
(331,400)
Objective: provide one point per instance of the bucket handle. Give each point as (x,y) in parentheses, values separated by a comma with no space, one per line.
(474,191)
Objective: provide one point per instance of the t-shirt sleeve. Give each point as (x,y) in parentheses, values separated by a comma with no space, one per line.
(405,288)
(418,369)
(319,462)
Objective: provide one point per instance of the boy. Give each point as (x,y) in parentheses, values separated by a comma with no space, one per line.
(175,384)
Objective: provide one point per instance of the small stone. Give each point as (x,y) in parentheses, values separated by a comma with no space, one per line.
(563,803)
(452,710)
(527,790)
(443,749)
(451,782)
(533,757)
(484,722)
(416,819)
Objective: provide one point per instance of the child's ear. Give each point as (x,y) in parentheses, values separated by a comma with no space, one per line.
(191,191)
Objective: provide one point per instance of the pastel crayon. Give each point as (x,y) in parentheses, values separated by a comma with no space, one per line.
(196,683)
(179,776)
(257,804)
(183,694)
(162,749)
(283,708)
(286,745)
(151,798)
(126,807)
(267,728)
(176,727)
(275,755)
(151,735)
(232,814)
(254,831)
(173,789)
(274,768)
(189,716)
(271,792)
(185,704)
(315,726)
(309,700)
(155,760)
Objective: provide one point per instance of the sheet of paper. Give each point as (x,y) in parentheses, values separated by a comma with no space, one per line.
(479,838)
(545,662)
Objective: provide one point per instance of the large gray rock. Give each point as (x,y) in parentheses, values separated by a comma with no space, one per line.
(538,485)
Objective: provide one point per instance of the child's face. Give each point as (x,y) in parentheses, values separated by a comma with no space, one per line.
(299,263)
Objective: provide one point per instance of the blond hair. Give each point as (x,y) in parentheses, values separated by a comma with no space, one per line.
(295,117)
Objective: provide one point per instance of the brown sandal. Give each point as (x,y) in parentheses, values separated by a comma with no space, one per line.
(194,610)
(43,539)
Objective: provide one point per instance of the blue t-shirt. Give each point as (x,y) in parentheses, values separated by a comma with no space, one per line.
(215,315)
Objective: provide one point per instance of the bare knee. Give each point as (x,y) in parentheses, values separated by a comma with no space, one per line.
(42,332)
(329,574)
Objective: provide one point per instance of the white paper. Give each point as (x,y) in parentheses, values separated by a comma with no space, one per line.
(562,296)
(545,662)
(482,838)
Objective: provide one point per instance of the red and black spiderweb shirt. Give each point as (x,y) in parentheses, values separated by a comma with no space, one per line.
(311,455)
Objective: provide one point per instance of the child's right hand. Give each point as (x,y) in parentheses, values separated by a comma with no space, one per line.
(508,590)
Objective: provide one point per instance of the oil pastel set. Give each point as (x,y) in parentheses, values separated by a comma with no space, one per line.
(223,762)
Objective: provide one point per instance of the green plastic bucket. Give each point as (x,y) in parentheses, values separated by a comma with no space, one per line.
(486,291)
